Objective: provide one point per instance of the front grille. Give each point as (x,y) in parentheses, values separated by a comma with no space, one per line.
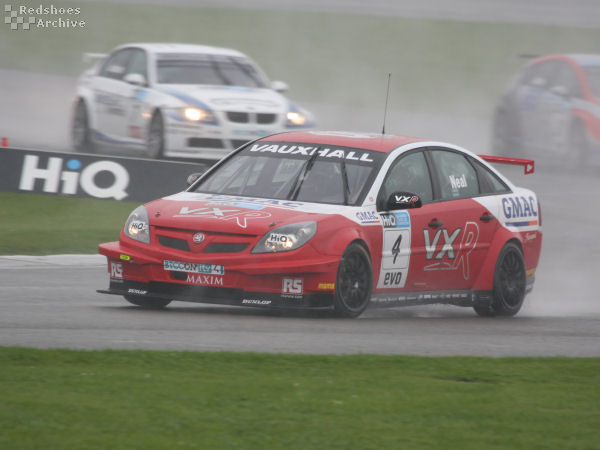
(238,117)
(178,244)
(205,143)
(226,247)
(265,118)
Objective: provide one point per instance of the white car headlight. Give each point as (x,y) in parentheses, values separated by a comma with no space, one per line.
(286,238)
(199,115)
(138,226)
(295,119)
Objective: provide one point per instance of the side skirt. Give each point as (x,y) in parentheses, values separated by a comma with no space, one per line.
(457,298)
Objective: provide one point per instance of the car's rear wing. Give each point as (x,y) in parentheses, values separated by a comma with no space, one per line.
(528,164)
(89,57)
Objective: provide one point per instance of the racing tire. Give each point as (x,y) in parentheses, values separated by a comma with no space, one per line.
(506,135)
(80,129)
(149,303)
(354,282)
(509,284)
(155,142)
(578,147)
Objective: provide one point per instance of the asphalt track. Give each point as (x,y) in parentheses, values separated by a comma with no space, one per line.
(49,303)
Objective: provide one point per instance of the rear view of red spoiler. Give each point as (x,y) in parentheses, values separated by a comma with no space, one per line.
(528,164)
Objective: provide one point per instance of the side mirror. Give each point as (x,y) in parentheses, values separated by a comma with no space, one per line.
(280,86)
(403,200)
(191,179)
(137,79)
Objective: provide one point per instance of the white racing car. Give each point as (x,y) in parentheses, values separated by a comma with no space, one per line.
(179,100)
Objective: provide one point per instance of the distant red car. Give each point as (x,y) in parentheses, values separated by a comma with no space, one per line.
(551,109)
(335,221)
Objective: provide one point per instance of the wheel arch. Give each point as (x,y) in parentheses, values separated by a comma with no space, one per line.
(91,114)
(485,279)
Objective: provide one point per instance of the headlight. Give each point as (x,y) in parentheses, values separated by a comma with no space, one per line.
(137,226)
(295,119)
(286,238)
(199,115)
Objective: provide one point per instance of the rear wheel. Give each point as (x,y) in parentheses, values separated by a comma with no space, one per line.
(155,141)
(150,303)
(80,131)
(354,282)
(578,146)
(509,284)
(506,135)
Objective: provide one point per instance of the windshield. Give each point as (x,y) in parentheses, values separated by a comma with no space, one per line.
(296,171)
(593,75)
(217,70)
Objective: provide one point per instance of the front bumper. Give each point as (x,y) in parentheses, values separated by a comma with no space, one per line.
(216,295)
(294,281)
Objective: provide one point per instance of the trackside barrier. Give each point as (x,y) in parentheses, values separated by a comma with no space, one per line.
(96,176)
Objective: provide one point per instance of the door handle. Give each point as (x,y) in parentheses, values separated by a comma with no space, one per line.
(486,217)
(435,223)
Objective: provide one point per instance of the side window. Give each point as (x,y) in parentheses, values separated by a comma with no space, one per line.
(456,176)
(115,65)
(489,181)
(137,63)
(409,174)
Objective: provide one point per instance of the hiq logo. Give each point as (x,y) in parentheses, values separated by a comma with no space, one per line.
(75,177)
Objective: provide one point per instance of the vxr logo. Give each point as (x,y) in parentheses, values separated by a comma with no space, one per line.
(454,255)
(239,215)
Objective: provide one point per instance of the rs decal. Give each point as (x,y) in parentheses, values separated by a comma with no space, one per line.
(449,255)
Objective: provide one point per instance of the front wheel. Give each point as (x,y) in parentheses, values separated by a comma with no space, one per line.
(354,282)
(155,141)
(150,303)
(509,284)
(80,130)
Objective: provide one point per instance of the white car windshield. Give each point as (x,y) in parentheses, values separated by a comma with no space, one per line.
(296,171)
(219,70)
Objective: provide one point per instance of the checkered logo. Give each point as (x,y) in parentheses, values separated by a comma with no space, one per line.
(14,20)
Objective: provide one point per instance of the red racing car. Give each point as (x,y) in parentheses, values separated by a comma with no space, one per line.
(331,220)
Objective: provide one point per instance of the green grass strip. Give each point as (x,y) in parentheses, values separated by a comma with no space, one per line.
(33,224)
(153,399)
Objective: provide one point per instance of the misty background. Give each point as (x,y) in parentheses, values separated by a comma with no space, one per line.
(449,60)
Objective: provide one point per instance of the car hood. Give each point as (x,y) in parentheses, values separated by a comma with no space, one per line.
(230,214)
(228,98)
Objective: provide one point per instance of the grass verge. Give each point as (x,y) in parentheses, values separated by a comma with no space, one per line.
(33,224)
(150,399)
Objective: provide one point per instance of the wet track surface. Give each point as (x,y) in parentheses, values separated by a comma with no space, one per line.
(61,309)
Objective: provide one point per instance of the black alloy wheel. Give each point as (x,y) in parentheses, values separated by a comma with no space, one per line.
(354,282)
(509,283)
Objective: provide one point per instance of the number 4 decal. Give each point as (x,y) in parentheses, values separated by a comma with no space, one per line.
(396,248)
